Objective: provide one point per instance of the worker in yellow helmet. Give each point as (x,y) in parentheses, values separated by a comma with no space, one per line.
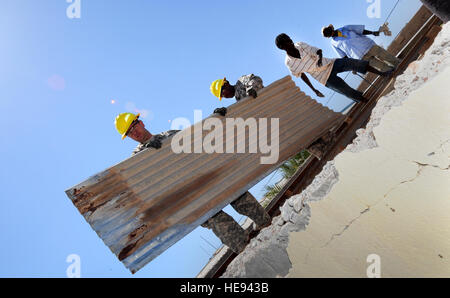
(216,88)
(124,122)
(247,85)
(223,225)
(129,125)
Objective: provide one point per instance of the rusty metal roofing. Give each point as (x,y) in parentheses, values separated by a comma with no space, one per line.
(145,204)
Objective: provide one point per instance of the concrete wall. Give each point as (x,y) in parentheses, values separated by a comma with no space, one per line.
(392,199)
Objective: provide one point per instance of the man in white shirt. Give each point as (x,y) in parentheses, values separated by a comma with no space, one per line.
(302,58)
(351,41)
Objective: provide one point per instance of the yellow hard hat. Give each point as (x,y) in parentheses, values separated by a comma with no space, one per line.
(216,88)
(123,122)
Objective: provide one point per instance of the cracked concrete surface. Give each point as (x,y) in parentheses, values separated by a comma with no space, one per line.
(387,194)
(346,227)
(392,200)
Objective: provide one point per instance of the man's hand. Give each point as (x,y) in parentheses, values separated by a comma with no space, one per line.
(252,93)
(221,111)
(376,33)
(319,63)
(319,94)
(154,143)
(307,82)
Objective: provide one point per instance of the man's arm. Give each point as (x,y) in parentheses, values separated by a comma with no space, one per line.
(358,29)
(319,53)
(367,32)
(254,84)
(307,82)
(156,140)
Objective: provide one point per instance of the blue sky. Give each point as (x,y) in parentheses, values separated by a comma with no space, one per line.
(58,77)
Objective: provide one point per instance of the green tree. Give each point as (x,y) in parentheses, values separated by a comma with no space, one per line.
(290,167)
(288,170)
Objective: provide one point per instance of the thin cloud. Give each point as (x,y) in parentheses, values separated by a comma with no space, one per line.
(146,114)
(56,82)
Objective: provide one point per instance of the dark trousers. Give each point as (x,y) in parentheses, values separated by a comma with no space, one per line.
(338,84)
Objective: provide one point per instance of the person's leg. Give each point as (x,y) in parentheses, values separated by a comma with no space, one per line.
(319,147)
(228,231)
(249,206)
(339,85)
(380,73)
(383,55)
(375,63)
(361,66)
(380,65)
(349,64)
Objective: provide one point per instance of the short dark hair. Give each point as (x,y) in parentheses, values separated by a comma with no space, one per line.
(281,40)
(327,31)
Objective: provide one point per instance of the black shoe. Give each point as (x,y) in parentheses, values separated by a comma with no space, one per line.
(364,100)
(360,98)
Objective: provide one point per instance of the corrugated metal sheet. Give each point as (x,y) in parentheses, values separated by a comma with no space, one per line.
(143,205)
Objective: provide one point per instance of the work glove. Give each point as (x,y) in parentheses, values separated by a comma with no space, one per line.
(385,29)
(155,142)
(221,111)
(252,92)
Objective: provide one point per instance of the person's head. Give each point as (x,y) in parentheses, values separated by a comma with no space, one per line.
(328,31)
(284,42)
(228,91)
(129,125)
(138,132)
